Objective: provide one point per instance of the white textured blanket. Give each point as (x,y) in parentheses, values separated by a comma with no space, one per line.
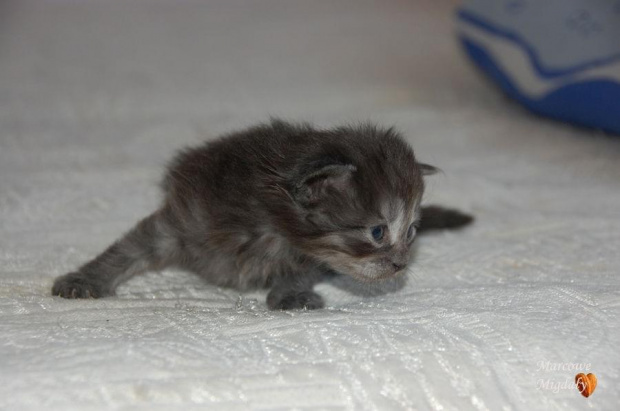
(95,96)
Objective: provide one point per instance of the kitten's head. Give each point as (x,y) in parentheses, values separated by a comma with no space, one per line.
(360,202)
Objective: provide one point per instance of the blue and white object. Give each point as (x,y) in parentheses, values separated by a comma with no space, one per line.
(559,58)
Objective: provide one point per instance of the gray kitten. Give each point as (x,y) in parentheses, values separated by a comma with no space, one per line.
(278,205)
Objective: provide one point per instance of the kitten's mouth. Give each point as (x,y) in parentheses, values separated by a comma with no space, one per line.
(369,271)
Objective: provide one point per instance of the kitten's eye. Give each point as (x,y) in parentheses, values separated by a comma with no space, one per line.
(377,232)
(411,232)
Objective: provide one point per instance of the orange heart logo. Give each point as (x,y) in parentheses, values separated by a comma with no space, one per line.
(586,384)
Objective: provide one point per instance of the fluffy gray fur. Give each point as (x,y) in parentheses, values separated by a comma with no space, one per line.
(278,205)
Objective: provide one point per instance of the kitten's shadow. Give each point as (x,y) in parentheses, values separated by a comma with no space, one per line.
(359,288)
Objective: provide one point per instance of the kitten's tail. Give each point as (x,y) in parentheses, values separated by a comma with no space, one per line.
(438,218)
(150,244)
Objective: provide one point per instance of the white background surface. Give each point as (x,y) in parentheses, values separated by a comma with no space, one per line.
(94,98)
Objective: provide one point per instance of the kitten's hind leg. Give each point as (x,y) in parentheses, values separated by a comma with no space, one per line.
(148,245)
(294,293)
(437,218)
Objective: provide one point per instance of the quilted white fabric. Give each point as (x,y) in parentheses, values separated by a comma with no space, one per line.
(95,97)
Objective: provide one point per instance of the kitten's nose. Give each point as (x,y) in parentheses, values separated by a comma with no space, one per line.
(398,266)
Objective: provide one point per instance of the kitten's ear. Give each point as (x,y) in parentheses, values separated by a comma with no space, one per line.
(427,169)
(317,185)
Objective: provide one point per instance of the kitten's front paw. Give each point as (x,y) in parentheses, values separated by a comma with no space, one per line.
(77,285)
(295,300)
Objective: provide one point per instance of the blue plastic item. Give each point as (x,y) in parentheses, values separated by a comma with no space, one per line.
(559,58)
